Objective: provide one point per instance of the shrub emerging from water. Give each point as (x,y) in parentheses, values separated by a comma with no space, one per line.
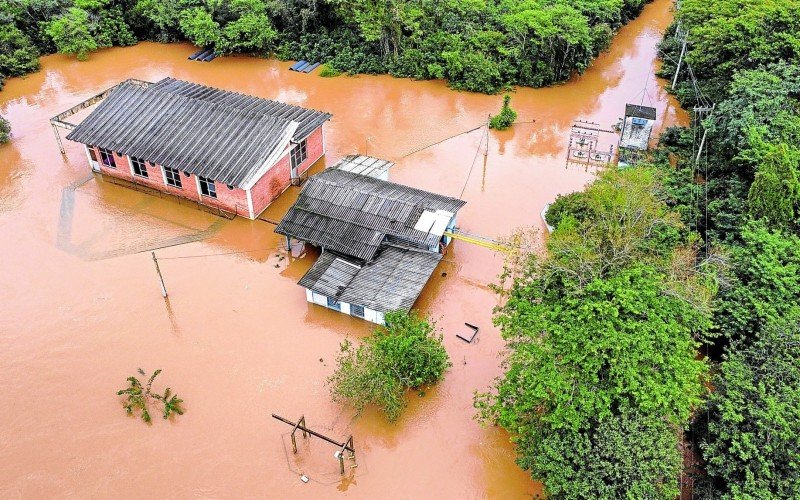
(506,117)
(406,353)
(573,205)
(139,398)
(329,72)
(5,130)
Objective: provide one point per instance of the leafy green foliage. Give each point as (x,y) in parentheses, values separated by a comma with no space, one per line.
(326,71)
(139,398)
(475,45)
(573,205)
(18,55)
(625,456)
(753,444)
(775,192)
(764,283)
(505,118)
(199,27)
(746,56)
(731,35)
(5,130)
(407,353)
(70,33)
(603,333)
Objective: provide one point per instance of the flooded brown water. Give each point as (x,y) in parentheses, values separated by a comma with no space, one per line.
(81,308)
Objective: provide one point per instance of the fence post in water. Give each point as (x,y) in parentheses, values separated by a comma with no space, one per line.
(160,278)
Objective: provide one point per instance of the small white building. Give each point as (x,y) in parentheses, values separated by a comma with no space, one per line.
(380,241)
(637,126)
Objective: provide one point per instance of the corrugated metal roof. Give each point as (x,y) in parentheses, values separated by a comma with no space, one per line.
(353,214)
(307,119)
(201,130)
(640,111)
(365,165)
(392,282)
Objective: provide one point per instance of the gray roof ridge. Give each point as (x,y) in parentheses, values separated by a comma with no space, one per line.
(385,197)
(155,88)
(379,181)
(410,248)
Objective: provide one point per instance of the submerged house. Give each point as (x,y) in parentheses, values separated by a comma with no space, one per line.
(380,241)
(637,126)
(222,149)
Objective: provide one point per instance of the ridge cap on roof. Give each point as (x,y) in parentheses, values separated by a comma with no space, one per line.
(237,93)
(374,180)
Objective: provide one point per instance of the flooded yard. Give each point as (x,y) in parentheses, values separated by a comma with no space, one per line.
(81,306)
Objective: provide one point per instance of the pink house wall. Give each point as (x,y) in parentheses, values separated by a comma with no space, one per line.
(278,178)
(269,187)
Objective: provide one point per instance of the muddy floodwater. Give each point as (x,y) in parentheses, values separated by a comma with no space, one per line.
(81,308)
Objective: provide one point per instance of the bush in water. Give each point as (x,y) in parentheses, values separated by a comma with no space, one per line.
(407,353)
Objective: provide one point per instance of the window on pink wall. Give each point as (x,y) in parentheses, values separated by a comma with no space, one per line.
(139,167)
(299,153)
(207,186)
(108,158)
(172,176)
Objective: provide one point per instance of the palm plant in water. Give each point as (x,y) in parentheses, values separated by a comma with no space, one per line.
(139,398)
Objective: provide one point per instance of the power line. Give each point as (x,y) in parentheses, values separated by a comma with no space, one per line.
(215,254)
(477,152)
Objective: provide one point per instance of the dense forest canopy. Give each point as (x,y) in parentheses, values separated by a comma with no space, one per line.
(602,372)
(604,333)
(480,45)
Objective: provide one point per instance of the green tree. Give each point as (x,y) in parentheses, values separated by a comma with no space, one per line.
(407,353)
(70,33)
(5,130)
(775,192)
(251,33)
(18,55)
(583,358)
(199,27)
(603,334)
(624,456)
(753,445)
(731,35)
(764,283)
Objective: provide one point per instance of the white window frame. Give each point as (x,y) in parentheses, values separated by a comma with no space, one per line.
(92,163)
(107,151)
(209,182)
(178,173)
(302,151)
(353,313)
(332,303)
(131,159)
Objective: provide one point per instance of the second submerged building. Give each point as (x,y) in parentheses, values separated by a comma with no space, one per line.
(380,241)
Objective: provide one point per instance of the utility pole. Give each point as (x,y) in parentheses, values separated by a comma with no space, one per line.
(160,278)
(705,130)
(680,60)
